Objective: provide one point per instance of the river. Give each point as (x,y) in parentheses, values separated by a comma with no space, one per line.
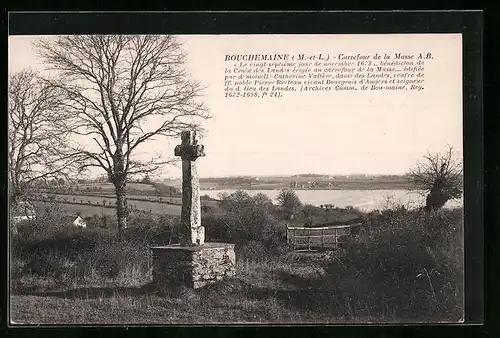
(365,200)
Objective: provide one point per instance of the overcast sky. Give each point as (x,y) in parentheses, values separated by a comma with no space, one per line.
(315,132)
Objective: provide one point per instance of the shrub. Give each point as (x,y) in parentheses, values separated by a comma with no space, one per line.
(79,253)
(16,268)
(408,268)
(108,266)
(117,256)
(69,242)
(42,266)
(252,250)
(217,226)
(152,229)
(80,268)
(289,202)
(242,218)
(74,241)
(50,218)
(100,221)
(308,213)
(206,197)
(165,190)
(25,228)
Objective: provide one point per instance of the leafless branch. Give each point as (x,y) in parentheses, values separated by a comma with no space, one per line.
(125,90)
(439,173)
(38,135)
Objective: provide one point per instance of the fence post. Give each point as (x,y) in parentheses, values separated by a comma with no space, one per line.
(288,235)
(336,239)
(308,239)
(294,239)
(322,238)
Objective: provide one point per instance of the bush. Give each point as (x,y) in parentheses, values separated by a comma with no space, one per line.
(118,256)
(50,218)
(101,221)
(74,241)
(152,229)
(16,268)
(80,252)
(42,266)
(207,197)
(108,266)
(165,190)
(308,213)
(289,202)
(70,242)
(63,251)
(25,228)
(253,250)
(408,268)
(242,219)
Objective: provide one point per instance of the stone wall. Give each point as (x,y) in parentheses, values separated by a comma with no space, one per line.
(193,266)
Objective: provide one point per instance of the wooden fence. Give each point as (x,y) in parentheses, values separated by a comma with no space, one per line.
(312,239)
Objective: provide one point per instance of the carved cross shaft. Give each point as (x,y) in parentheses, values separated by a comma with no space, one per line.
(189,150)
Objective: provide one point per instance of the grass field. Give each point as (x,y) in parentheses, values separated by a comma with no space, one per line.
(110,187)
(263,293)
(89,210)
(89,205)
(130,197)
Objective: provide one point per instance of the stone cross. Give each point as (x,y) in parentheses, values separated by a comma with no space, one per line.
(189,150)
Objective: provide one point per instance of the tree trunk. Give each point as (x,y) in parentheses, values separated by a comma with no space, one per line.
(121,207)
(15,194)
(436,199)
(119,179)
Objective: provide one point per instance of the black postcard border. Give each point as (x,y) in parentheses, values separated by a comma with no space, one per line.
(468,23)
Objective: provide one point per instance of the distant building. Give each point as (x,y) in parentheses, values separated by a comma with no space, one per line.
(79,222)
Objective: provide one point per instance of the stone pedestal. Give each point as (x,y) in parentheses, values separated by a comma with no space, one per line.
(193,266)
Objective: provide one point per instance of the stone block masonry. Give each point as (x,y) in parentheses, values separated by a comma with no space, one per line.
(193,266)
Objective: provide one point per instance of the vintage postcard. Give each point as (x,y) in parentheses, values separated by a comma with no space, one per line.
(217,179)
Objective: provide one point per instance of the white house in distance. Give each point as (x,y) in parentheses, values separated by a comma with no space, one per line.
(79,222)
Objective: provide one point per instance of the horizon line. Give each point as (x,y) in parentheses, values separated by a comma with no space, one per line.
(291,175)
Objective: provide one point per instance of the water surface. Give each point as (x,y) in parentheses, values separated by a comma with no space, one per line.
(363,199)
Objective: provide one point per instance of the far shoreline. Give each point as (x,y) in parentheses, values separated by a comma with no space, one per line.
(310,189)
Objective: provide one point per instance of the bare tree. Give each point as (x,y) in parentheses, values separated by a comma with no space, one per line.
(124,90)
(37,147)
(440,177)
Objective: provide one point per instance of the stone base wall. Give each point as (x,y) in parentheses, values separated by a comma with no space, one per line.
(193,266)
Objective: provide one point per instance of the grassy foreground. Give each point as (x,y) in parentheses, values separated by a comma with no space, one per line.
(258,295)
